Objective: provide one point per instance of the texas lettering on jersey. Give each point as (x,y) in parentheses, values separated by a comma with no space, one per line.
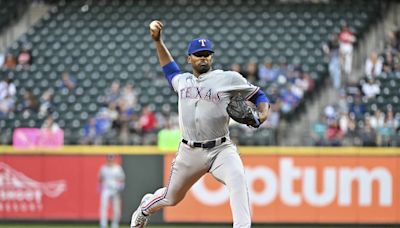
(202,93)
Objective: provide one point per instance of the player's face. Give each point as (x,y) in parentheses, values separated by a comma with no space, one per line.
(201,61)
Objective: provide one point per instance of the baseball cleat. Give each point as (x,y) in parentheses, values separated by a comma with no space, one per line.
(139,220)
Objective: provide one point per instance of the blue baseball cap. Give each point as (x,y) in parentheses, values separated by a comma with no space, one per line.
(199,44)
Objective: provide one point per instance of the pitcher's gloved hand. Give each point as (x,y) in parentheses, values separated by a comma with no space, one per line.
(243,113)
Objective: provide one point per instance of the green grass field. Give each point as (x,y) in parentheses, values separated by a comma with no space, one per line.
(73,225)
(123,226)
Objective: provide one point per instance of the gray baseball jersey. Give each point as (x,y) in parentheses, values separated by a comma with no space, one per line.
(203,102)
(113,178)
(203,117)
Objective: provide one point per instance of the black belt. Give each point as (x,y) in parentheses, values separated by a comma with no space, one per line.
(207,145)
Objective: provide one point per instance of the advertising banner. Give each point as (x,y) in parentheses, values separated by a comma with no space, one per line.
(301,189)
(35,137)
(49,187)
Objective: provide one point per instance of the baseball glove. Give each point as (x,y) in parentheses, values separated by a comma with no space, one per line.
(241,112)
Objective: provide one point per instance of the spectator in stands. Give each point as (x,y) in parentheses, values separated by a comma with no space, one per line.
(377,120)
(390,120)
(331,49)
(388,62)
(346,41)
(357,108)
(29,104)
(147,120)
(397,128)
(236,67)
(334,135)
(289,100)
(304,83)
(104,120)
(370,88)
(392,40)
(330,113)
(368,134)
(318,131)
(125,114)
(344,122)
(126,122)
(148,124)
(46,103)
(348,125)
(110,112)
(341,104)
(50,124)
(90,132)
(2,59)
(273,117)
(353,89)
(251,72)
(102,123)
(6,105)
(10,62)
(387,131)
(268,72)
(113,93)
(95,128)
(397,62)
(129,96)
(7,88)
(273,93)
(49,130)
(24,58)
(373,65)
(68,82)
(163,117)
(166,118)
(7,96)
(396,32)
(297,91)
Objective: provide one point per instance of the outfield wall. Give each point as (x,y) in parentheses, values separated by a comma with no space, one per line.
(286,185)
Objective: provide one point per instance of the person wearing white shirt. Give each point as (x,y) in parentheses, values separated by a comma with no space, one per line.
(373,65)
(112,182)
(370,89)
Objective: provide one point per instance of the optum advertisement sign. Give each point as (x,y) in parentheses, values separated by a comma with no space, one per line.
(344,189)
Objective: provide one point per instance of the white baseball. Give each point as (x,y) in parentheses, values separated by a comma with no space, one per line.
(153,25)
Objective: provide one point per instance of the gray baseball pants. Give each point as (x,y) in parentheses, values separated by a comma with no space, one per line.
(190,164)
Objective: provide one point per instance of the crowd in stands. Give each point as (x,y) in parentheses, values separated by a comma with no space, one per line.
(285,85)
(346,122)
(22,60)
(8,90)
(355,119)
(32,106)
(123,118)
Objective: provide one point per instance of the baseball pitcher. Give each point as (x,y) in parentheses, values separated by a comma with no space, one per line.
(204,96)
(112,182)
